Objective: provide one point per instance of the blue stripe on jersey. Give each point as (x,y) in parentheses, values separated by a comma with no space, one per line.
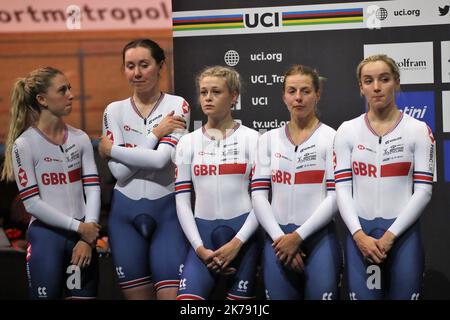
(183,186)
(260,184)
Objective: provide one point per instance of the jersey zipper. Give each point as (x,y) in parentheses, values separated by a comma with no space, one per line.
(378,178)
(65,166)
(218,193)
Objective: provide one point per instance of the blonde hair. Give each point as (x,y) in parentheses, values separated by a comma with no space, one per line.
(379,57)
(25,109)
(230,75)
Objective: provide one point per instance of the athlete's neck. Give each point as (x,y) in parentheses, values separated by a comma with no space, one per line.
(220,125)
(301,129)
(388,114)
(52,127)
(382,121)
(146,101)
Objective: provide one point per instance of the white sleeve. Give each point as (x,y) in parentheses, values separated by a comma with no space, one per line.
(344,178)
(260,186)
(29,192)
(327,209)
(424,162)
(112,130)
(91,181)
(183,190)
(145,158)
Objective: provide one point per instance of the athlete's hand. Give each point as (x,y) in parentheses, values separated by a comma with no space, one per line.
(368,247)
(104,147)
(297,263)
(223,256)
(386,242)
(81,254)
(89,232)
(287,247)
(169,124)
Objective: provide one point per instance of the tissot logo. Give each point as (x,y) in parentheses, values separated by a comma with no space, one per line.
(266,20)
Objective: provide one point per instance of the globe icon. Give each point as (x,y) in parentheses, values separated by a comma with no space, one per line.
(381,14)
(231,58)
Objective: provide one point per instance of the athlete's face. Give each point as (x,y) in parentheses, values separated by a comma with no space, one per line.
(300,96)
(378,85)
(58,98)
(141,69)
(215,97)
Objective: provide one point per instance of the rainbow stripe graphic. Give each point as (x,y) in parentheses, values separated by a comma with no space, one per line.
(297,18)
(228,21)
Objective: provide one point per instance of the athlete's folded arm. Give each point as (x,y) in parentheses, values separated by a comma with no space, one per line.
(123,172)
(145,158)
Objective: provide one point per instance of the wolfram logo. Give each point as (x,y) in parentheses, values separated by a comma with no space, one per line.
(266,20)
(231,58)
(407,63)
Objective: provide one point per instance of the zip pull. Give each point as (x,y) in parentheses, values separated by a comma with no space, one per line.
(145,121)
(379,140)
(296,148)
(61,148)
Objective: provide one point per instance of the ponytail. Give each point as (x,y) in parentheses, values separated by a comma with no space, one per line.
(24,110)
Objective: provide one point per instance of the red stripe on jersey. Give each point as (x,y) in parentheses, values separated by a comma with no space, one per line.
(422,177)
(167,283)
(183,187)
(331,185)
(189,297)
(90,180)
(29,192)
(235,297)
(260,184)
(75,175)
(232,168)
(173,141)
(398,169)
(313,176)
(343,175)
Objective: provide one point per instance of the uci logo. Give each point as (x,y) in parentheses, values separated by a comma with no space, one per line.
(266,19)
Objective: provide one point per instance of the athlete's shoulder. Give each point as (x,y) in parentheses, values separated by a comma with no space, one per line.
(326,130)
(117,105)
(27,137)
(252,133)
(77,133)
(413,123)
(348,125)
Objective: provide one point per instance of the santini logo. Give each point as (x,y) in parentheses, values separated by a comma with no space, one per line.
(443,11)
